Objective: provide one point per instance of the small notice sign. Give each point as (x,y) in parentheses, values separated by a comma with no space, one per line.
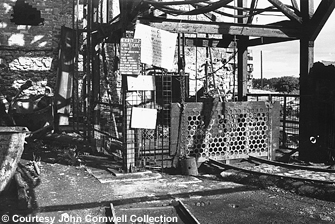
(141,82)
(158,46)
(143,118)
(130,56)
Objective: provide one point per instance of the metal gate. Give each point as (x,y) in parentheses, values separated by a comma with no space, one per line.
(151,147)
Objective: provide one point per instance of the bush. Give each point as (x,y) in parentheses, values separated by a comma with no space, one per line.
(285,84)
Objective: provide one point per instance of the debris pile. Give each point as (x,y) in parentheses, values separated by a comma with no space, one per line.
(26,178)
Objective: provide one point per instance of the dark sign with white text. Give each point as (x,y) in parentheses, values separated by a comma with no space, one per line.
(130,56)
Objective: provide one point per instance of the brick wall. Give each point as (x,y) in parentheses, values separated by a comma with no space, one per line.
(30,52)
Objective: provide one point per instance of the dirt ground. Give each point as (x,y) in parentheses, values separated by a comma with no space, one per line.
(69,193)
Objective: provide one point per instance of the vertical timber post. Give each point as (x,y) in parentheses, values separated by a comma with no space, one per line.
(64,84)
(88,70)
(95,50)
(306,63)
(242,57)
(127,134)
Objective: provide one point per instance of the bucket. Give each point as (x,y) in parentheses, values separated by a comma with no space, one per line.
(189,166)
(11,148)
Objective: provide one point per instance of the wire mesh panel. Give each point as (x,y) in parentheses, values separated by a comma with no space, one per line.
(154,143)
(289,116)
(151,147)
(224,131)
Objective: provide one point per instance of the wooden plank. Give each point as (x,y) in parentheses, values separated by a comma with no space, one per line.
(307,9)
(208,42)
(319,18)
(286,11)
(252,6)
(64,84)
(295,4)
(193,27)
(267,40)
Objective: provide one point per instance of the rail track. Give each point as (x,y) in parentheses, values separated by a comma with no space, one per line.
(175,208)
(260,166)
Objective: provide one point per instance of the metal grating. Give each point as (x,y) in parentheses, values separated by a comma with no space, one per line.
(289,116)
(224,131)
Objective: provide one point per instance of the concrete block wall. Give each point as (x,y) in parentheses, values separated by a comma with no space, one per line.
(30,52)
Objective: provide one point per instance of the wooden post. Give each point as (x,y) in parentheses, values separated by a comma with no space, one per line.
(96,52)
(306,63)
(242,58)
(64,84)
(89,15)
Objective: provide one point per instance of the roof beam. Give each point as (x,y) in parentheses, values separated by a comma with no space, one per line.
(193,27)
(252,6)
(208,42)
(286,11)
(320,17)
(295,5)
(267,40)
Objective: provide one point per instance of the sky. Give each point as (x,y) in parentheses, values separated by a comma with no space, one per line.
(282,59)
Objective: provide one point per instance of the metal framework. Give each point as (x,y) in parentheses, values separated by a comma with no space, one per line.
(96,29)
(301,23)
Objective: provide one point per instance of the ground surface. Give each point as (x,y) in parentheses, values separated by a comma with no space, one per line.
(71,194)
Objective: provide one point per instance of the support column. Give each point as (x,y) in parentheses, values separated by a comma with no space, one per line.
(64,85)
(306,63)
(88,78)
(242,58)
(96,51)
(306,100)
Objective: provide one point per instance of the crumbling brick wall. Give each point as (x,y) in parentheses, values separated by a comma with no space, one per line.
(31,51)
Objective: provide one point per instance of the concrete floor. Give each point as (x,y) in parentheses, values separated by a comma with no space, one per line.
(71,194)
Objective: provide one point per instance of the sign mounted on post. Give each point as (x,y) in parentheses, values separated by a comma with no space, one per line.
(158,46)
(130,56)
(141,82)
(143,118)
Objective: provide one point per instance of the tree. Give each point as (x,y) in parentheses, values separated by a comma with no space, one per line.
(267,83)
(286,84)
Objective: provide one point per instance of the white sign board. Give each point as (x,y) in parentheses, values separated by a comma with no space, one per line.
(143,118)
(157,46)
(140,82)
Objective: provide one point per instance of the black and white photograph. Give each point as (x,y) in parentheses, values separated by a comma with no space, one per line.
(167,111)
